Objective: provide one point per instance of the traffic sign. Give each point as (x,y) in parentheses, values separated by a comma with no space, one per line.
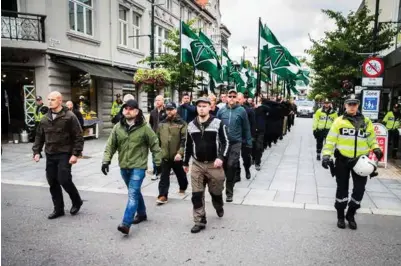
(371,103)
(382,140)
(373,67)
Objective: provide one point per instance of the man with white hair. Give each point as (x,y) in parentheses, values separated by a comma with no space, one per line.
(59,129)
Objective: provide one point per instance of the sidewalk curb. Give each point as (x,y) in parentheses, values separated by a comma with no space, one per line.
(290,205)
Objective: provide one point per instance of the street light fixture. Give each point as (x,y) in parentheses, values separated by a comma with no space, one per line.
(244,48)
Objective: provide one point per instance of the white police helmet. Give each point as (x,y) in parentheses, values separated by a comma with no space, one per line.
(364,166)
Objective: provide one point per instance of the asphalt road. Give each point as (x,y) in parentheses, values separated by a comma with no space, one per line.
(246,235)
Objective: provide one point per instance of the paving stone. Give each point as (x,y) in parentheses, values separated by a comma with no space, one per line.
(305,198)
(259,197)
(306,188)
(284,196)
(381,195)
(387,203)
(282,185)
(326,192)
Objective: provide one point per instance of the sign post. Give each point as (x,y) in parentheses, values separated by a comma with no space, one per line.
(373,69)
(371,103)
(382,140)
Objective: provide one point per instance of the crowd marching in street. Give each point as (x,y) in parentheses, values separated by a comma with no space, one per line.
(206,139)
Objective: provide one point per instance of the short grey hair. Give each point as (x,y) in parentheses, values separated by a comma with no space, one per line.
(128,97)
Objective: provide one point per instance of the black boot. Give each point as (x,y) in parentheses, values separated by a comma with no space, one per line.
(140,218)
(76,207)
(197,228)
(350,216)
(340,219)
(318,157)
(257,167)
(55,214)
(247,174)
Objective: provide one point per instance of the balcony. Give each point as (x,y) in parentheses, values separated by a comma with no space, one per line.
(16,27)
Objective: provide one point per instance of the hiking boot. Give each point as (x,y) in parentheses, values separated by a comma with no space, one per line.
(257,167)
(197,228)
(162,200)
(220,212)
(140,218)
(123,229)
(55,214)
(229,199)
(341,223)
(75,208)
(350,216)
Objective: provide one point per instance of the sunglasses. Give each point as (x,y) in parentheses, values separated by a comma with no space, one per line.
(232,96)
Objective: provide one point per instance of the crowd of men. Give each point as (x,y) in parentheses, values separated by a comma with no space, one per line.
(212,136)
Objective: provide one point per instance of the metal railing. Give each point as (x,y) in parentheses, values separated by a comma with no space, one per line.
(22,26)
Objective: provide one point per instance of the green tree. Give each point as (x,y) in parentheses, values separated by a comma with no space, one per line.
(338,56)
(182,75)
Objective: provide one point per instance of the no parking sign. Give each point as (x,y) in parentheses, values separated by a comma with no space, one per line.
(382,140)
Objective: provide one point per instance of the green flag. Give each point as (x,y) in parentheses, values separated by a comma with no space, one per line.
(187,38)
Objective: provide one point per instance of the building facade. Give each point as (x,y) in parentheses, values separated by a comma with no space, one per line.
(88,48)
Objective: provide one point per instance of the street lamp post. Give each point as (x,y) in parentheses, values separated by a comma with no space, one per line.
(376,26)
(244,48)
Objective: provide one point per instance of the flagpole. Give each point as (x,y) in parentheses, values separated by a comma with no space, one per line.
(179,81)
(258,88)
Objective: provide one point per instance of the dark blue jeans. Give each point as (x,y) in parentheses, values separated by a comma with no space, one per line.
(133,178)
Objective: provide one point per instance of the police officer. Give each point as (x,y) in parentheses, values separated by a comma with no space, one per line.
(322,121)
(392,120)
(41,109)
(351,136)
(115,107)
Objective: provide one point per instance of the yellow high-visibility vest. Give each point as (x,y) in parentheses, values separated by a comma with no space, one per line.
(323,120)
(391,122)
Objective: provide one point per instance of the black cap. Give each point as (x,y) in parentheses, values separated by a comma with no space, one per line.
(351,99)
(202,100)
(131,103)
(38,98)
(232,91)
(327,100)
(118,95)
(171,105)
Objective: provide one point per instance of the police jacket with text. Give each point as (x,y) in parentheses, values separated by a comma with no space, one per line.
(206,141)
(323,119)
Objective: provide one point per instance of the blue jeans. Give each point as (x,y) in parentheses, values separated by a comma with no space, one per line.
(133,178)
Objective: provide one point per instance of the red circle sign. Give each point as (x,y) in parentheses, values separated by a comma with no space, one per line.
(373,67)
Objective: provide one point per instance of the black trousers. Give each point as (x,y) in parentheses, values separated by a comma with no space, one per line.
(230,167)
(258,147)
(394,138)
(58,174)
(246,155)
(343,170)
(320,137)
(164,183)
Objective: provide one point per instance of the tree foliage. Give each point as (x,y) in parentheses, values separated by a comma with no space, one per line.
(182,76)
(338,56)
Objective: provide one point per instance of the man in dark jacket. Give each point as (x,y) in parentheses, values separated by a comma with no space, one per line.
(156,116)
(261,113)
(274,125)
(186,111)
(62,134)
(207,144)
(77,113)
(246,153)
(237,123)
(172,134)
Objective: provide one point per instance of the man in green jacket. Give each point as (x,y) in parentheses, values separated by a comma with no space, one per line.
(172,136)
(132,138)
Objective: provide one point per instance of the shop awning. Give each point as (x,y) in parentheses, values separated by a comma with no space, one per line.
(101,71)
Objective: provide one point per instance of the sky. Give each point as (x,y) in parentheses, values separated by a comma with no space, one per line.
(289,20)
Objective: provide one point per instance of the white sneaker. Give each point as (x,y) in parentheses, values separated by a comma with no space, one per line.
(154,177)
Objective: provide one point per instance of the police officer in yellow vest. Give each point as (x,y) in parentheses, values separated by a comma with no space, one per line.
(39,113)
(116,106)
(322,121)
(392,120)
(351,137)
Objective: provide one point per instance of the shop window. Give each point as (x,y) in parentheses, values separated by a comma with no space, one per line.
(84,87)
(81,16)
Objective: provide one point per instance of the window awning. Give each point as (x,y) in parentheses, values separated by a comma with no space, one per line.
(101,71)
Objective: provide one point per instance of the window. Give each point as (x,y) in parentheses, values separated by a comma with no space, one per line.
(169,4)
(161,37)
(123,25)
(81,16)
(136,29)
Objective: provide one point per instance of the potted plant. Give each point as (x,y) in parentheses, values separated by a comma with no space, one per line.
(149,78)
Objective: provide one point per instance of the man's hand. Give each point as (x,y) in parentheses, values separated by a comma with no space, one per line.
(218,163)
(326,161)
(379,154)
(73,159)
(105,168)
(178,157)
(36,157)
(186,169)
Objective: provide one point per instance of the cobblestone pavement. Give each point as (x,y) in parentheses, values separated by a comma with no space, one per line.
(290,176)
